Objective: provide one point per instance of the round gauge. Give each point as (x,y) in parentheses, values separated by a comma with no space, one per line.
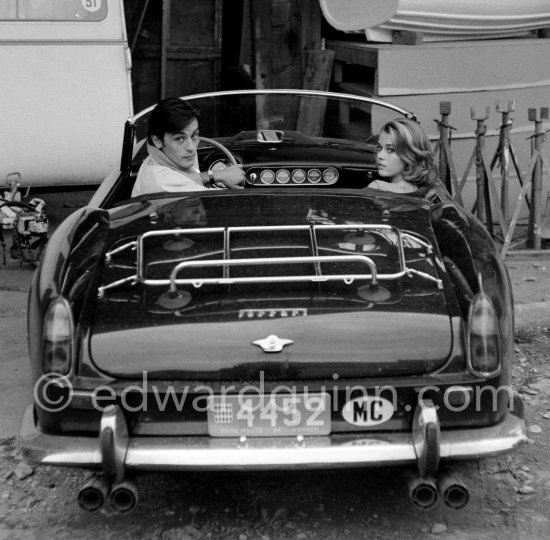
(267,176)
(298,175)
(330,175)
(283,176)
(314,175)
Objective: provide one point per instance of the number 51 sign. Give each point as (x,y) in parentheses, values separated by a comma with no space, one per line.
(91,5)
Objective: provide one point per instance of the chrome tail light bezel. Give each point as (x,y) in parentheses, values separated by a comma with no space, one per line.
(483,324)
(58,338)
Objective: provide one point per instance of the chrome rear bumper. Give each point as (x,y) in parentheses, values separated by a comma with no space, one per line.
(116,452)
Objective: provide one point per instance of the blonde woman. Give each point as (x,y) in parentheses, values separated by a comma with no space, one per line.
(404,158)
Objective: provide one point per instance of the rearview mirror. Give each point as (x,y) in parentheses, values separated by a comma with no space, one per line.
(270,136)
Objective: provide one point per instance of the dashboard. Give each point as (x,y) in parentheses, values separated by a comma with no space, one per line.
(273,166)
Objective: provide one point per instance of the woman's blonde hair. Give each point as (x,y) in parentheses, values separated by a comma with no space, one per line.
(413,146)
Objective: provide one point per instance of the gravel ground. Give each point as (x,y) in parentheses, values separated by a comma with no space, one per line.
(510,495)
(530,278)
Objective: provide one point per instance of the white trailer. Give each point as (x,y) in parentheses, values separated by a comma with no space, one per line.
(65,91)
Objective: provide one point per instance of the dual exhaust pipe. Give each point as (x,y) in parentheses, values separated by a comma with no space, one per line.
(426,492)
(121,496)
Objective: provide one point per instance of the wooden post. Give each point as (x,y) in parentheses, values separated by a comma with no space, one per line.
(503,153)
(533,231)
(444,173)
(484,179)
(311,114)
(318,69)
(166,23)
(137,31)
(483,204)
(311,18)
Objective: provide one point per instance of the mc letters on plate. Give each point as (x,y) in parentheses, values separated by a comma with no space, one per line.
(280,415)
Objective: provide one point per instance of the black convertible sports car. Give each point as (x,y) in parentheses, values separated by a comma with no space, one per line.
(305,321)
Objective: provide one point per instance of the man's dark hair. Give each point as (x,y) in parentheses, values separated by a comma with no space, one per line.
(170,116)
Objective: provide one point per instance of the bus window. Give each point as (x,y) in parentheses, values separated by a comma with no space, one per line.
(60,10)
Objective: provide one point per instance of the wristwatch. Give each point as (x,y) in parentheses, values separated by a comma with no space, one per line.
(211,178)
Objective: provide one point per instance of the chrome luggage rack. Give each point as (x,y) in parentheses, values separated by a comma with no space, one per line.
(226,262)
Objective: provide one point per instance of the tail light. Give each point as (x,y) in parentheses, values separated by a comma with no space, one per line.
(483,337)
(58,340)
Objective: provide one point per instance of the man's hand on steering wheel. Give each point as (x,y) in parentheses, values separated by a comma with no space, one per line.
(231,177)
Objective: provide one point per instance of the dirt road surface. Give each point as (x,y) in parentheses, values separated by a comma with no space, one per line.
(510,495)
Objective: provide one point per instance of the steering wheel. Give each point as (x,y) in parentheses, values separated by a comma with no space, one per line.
(221,147)
(227,153)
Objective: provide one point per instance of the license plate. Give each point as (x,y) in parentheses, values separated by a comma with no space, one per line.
(269,416)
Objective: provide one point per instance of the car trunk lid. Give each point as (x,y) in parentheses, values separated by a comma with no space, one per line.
(343,286)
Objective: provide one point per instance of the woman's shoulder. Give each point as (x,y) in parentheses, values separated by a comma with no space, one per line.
(392,188)
(375,184)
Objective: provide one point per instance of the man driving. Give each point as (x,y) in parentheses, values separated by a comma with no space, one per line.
(172,163)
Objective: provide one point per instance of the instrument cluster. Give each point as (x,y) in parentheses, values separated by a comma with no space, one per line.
(273,176)
(298,176)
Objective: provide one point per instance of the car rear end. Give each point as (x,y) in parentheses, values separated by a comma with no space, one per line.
(272,330)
